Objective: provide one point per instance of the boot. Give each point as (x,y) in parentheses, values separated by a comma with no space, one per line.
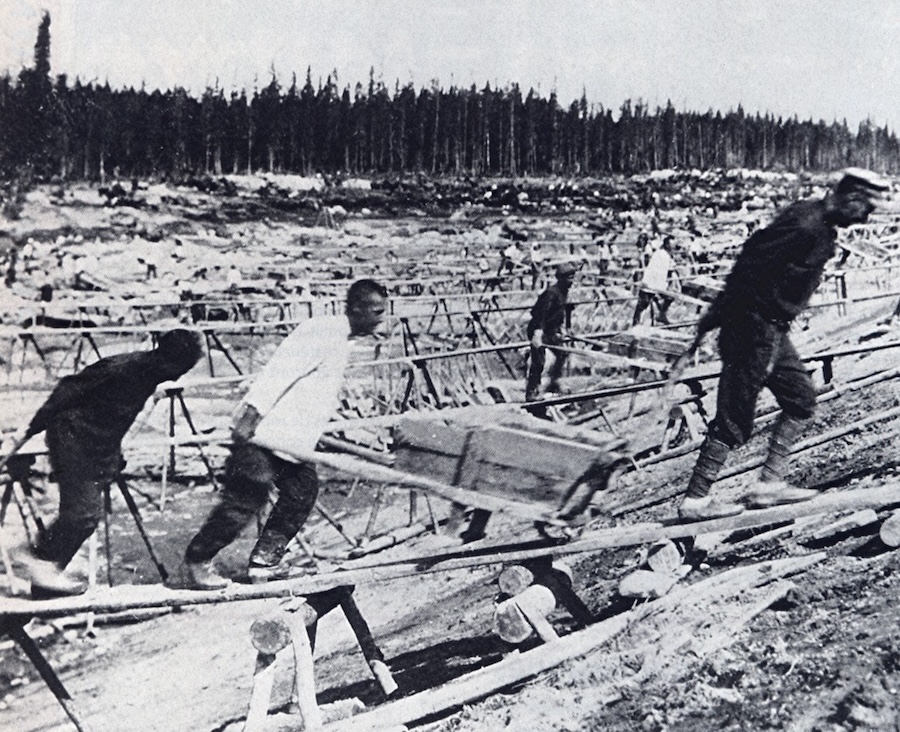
(784,435)
(772,489)
(47,578)
(266,555)
(202,576)
(697,504)
(706,508)
(777,493)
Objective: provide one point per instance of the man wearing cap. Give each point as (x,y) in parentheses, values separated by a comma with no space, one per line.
(85,418)
(773,278)
(549,317)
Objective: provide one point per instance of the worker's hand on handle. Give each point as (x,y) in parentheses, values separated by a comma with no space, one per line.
(12,443)
(537,339)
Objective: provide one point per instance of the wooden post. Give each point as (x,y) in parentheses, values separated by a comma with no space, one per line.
(304,676)
(263,679)
(370,650)
(27,644)
(269,636)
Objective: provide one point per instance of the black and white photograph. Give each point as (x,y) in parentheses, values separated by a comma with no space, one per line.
(397,365)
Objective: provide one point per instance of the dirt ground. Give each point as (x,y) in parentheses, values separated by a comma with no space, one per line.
(824,657)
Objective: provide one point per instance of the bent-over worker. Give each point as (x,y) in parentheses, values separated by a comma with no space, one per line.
(85,419)
(773,278)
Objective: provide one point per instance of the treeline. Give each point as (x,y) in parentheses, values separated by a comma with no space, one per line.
(90,131)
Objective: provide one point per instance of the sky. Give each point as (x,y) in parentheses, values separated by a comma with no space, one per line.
(820,59)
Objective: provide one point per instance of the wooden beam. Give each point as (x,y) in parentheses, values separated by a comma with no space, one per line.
(516,668)
(128,597)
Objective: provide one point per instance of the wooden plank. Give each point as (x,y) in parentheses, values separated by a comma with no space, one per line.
(260,693)
(516,668)
(552,457)
(521,466)
(128,597)
(483,479)
(438,435)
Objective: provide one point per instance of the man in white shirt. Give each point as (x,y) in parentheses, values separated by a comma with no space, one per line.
(654,280)
(278,422)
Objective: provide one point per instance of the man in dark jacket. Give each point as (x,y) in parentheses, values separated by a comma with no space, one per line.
(773,278)
(85,418)
(549,317)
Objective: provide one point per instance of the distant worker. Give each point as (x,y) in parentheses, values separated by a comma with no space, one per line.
(771,282)
(546,329)
(654,282)
(282,417)
(511,258)
(85,418)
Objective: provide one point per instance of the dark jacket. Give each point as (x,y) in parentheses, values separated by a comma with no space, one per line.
(548,313)
(779,267)
(89,413)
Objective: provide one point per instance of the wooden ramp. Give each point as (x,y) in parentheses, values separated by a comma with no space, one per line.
(130,597)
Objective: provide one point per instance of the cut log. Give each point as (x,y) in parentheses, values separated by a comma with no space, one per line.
(890,531)
(516,619)
(515,579)
(270,635)
(664,557)
(647,584)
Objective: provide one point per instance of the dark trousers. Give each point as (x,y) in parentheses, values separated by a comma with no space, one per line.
(250,473)
(83,473)
(537,360)
(80,511)
(645,299)
(756,353)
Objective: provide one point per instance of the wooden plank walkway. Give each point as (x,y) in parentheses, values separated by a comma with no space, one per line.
(130,597)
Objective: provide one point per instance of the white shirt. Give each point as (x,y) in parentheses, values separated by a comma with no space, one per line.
(656,273)
(296,393)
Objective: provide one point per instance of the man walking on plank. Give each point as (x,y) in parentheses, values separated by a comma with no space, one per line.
(283,414)
(85,418)
(773,278)
(549,319)
(656,277)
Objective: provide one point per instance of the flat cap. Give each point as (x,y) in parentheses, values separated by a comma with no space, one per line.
(860,180)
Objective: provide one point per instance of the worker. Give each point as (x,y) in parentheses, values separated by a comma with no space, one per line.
(653,282)
(546,328)
(277,425)
(771,282)
(85,418)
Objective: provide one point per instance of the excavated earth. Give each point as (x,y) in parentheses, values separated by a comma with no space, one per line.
(824,656)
